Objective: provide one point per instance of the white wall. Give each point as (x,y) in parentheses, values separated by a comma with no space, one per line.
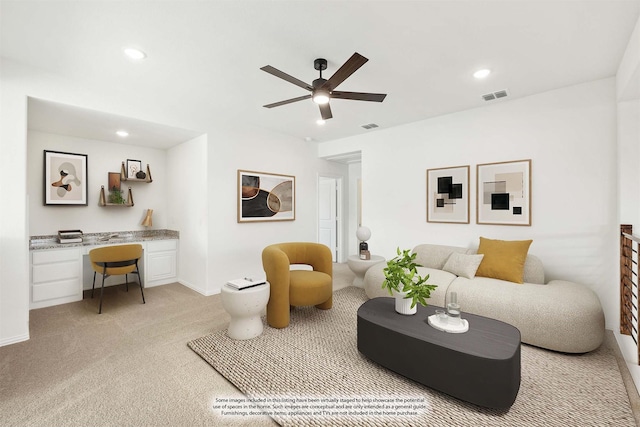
(209,230)
(102,157)
(14,249)
(628,161)
(628,75)
(235,249)
(355,175)
(570,135)
(188,209)
(628,93)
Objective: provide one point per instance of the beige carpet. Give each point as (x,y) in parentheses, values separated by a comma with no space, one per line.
(316,358)
(129,366)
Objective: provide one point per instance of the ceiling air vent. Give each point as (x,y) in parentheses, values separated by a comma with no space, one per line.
(495,95)
(370,126)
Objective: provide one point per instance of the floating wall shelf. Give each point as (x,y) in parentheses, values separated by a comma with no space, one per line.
(103,199)
(123,175)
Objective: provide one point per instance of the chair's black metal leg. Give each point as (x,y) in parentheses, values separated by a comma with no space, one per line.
(140,282)
(126,278)
(104,274)
(94,284)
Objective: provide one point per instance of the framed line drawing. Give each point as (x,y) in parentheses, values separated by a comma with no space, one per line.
(133,167)
(504,193)
(65,178)
(448,195)
(266,197)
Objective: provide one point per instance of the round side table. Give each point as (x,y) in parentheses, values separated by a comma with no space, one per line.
(360,267)
(245,306)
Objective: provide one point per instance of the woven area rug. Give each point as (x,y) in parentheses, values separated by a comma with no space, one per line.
(311,374)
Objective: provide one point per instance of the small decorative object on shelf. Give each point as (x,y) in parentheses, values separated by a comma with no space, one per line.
(115,198)
(148,221)
(134,172)
(70,236)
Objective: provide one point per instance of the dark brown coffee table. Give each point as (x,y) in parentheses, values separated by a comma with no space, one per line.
(481,366)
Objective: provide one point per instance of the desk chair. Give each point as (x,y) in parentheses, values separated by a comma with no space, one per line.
(116,260)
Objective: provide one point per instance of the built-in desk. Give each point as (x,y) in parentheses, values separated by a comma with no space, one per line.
(60,272)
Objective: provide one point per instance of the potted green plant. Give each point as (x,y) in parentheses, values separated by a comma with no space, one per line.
(116,197)
(403,281)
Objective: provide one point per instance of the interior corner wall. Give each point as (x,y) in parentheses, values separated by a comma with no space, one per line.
(355,173)
(570,136)
(187,209)
(628,97)
(628,160)
(14,252)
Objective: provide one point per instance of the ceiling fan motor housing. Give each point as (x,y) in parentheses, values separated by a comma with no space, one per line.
(320,64)
(318,83)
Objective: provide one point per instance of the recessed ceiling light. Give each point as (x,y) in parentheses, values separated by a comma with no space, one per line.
(308,138)
(320,121)
(134,53)
(481,74)
(122,133)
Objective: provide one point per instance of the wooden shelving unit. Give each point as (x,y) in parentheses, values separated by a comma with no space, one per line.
(103,199)
(123,175)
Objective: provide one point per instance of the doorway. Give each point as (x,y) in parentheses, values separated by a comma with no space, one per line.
(330,214)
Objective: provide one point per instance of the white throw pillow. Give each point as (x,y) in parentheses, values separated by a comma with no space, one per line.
(463,265)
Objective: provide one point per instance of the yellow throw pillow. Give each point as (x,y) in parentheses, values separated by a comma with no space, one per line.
(503,259)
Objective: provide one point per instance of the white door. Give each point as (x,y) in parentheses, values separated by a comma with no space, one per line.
(328,214)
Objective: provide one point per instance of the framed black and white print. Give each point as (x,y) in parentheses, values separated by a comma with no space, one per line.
(504,193)
(266,197)
(133,167)
(65,178)
(448,195)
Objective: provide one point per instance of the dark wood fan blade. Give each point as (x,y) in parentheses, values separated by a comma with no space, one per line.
(287,101)
(351,66)
(325,111)
(359,96)
(284,76)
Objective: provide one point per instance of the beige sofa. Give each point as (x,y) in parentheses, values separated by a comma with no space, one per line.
(560,315)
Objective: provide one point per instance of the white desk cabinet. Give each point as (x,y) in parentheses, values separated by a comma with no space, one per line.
(56,276)
(59,275)
(161,259)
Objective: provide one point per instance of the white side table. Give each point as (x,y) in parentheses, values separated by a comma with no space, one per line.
(360,267)
(245,306)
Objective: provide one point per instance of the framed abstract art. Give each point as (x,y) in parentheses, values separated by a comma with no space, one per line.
(448,195)
(266,197)
(65,178)
(504,193)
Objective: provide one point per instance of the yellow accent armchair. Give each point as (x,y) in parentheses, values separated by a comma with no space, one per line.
(298,287)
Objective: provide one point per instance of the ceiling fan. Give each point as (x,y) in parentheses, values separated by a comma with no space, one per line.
(322,90)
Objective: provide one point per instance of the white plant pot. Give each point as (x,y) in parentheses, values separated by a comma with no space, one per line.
(403,305)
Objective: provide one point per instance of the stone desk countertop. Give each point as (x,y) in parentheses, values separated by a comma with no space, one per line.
(94,239)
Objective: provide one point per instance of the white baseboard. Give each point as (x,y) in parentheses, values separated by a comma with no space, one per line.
(196,288)
(14,340)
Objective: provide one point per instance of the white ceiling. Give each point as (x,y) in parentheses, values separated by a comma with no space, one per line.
(53,117)
(204,58)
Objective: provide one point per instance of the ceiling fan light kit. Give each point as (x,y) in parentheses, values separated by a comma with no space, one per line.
(322,90)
